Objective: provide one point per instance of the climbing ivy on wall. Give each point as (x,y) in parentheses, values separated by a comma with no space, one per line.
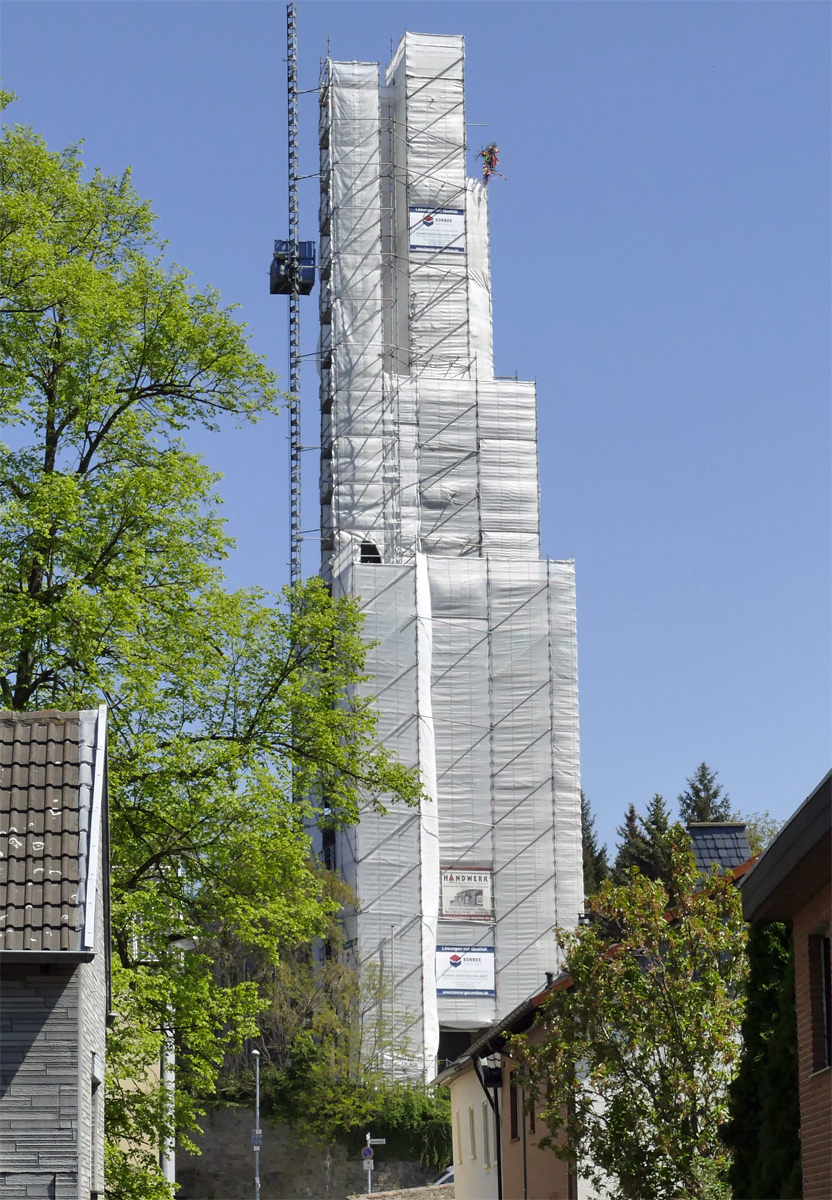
(764,1127)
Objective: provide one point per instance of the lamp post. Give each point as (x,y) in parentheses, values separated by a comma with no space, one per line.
(256,1133)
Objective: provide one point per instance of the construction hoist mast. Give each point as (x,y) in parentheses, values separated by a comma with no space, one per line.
(294,298)
(293,274)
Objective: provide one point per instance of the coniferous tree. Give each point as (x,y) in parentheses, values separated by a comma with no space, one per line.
(596,864)
(645,843)
(704,799)
(633,849)
(656,827)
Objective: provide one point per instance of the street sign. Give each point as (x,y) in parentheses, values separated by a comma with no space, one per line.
(257,1138)
(378,1141)
(366,1152)
(368,1164)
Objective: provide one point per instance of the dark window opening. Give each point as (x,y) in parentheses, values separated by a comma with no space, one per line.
(452,1044)
(369,553)
(531,1117)
(820,987)
(328,848)
(513,1107)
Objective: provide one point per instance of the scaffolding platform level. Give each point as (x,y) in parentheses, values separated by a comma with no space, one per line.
(430,515)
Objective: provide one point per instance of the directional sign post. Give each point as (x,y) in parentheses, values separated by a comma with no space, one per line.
(367,1157)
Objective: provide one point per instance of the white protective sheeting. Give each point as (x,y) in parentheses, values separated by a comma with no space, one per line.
(479,279)
(392,861)
(426,78)
(350,167)
(434,461)
(505,713)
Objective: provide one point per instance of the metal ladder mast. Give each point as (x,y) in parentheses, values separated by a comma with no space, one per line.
(294,299)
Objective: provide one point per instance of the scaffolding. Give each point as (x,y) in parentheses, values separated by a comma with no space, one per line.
(430,515)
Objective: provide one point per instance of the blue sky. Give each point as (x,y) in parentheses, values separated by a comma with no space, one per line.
(661,266)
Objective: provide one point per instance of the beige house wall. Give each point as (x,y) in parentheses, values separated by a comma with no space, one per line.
(475,1139)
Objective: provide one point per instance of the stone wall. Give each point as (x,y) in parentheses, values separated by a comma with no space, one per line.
(444,1191)
(289,1169)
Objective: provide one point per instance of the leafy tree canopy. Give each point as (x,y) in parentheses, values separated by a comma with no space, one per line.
(704,799)
(328,1045)
(235,719)
(636,1056)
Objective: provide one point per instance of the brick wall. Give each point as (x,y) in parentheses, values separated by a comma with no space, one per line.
(815,1085)
(38,1092)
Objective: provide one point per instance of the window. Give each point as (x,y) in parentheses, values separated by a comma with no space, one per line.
(328,848)
(458,1156)
(512,1106)
(486,1139)
(820,990)
(472,1131)
(369,553)
(531,1117)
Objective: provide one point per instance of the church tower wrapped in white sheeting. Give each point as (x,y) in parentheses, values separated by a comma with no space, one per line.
(430,515)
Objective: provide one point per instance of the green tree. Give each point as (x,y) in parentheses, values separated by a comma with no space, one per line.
(644,843)
(633,849)
(234,719)
(328,1044)
(635,1058)
(704,799)
(596,866)
(763,1132)
(656,826)
(762,828)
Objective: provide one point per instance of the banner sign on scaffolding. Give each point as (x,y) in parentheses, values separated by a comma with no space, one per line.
(465,971)
(466,894)
(437,229)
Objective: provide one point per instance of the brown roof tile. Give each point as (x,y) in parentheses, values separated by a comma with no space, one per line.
(44,816)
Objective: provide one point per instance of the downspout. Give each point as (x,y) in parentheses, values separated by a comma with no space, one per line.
(499,1129)
(523,1119)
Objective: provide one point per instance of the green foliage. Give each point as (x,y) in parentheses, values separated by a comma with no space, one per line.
(764,1127)
(632,849)
(645,843)
(704,799)
(596,866)
(107,525)
(328,1049)
(636,1057)
(234,719)
(762,828)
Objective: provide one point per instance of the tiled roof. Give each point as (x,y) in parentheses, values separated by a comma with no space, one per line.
(724,843)
(46,776)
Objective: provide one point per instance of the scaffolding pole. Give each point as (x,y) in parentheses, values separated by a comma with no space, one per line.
(294,299)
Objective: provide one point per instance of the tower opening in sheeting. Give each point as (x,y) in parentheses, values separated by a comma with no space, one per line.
(430,514)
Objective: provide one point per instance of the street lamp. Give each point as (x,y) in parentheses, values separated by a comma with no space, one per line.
(257,1132)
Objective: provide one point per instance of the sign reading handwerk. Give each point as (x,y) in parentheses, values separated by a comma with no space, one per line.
(466,894)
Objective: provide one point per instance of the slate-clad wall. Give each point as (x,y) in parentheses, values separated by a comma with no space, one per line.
(38,1093)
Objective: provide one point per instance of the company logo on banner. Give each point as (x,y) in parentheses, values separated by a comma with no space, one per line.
(439,230)
(465,971)
(466,894)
